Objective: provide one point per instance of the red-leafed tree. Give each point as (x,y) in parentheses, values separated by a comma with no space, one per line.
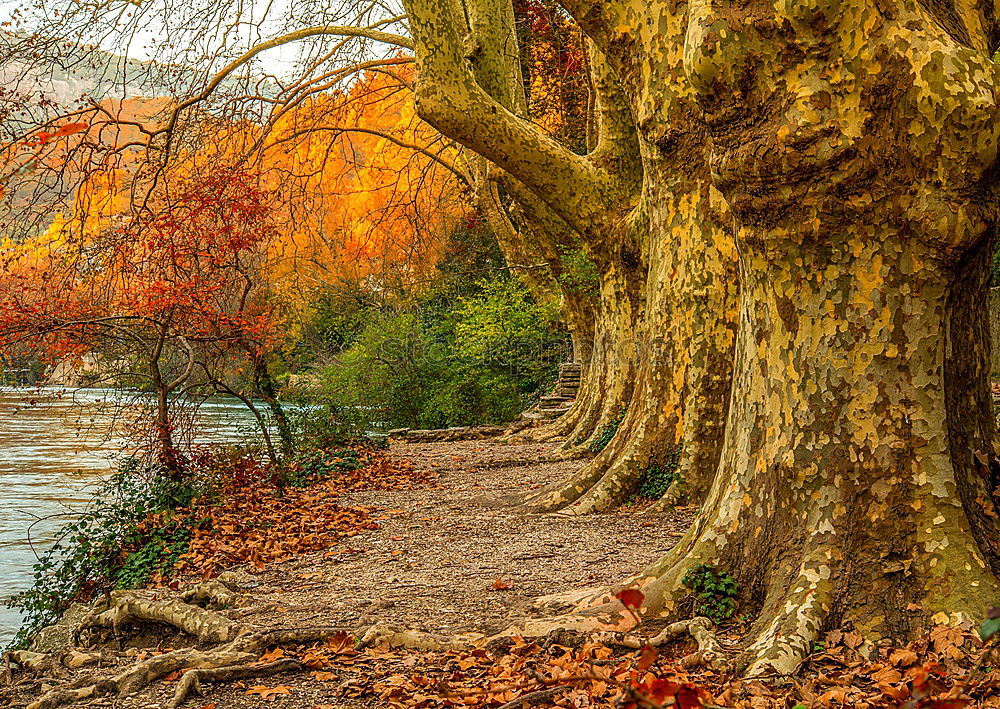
(162,295)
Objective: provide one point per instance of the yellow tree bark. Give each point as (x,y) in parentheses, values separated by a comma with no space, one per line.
(856,143)
(642,202)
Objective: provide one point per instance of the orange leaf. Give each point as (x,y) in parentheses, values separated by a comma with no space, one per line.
(501,585)
(313,662)
(71,128)
(324,676)
(268,693)
(646,658)
(275,654)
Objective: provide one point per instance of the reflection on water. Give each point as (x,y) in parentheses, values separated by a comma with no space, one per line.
(53,456)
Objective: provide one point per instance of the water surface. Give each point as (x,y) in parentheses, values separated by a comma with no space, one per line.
(54,454)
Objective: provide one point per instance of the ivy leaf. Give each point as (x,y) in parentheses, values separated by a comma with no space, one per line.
(989,628)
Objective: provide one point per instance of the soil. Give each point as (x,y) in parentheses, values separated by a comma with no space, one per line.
(431,565)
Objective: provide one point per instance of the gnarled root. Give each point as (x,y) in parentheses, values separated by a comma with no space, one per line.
(191,681)
(238,645)
(220,593)
(709,652)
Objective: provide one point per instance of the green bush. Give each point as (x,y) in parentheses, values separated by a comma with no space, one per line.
(580,272)
(106,547)
(449,360)
(715,592)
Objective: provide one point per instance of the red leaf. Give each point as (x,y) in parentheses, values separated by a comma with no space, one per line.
(631,597)
(501,585)
(71,128)
(687,698)
(646,658)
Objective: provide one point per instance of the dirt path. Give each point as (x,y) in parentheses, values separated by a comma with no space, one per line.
(431,566)
(433,563)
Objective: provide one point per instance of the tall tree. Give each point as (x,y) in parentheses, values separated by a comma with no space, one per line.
(855,143)
(662,244)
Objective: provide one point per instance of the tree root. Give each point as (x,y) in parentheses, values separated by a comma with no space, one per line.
(238,646)
(709,653)
(220,593)
(191,681)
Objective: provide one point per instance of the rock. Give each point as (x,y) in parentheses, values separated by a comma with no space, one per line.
(59,636)
(75,658)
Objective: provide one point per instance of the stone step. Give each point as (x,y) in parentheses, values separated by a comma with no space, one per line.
(551,413)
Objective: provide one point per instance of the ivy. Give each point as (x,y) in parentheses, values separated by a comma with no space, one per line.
(658,477)
(607,432)
(715,592)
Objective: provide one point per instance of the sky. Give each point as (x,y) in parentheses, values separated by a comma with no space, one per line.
(278,61)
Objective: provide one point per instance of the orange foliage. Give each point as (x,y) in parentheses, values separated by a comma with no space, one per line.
(353,197)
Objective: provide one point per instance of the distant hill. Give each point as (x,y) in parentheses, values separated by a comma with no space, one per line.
(61,74)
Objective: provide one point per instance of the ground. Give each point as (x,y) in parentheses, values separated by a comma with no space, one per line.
(434,560)
(451,555)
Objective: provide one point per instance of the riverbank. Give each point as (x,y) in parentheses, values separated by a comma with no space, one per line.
(54,456)
(448,556)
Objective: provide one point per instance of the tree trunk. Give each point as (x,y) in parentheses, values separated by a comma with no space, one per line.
(857,146)
(682,358)
(265,387)
(164,431)
(686,333)
(610,360)
(163,428)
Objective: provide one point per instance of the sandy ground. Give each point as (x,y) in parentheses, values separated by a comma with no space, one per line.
(432,565)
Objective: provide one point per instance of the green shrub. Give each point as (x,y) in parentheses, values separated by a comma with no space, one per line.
(106,546)
(474,358)
(579,272)
(325,424)
(715,592)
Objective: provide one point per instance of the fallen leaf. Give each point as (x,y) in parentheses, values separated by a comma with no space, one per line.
(268,693)
(275,654)
(321,676)
(501,585)
(631,597)
(647,656)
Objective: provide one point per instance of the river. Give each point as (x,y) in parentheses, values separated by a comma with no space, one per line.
(53,456)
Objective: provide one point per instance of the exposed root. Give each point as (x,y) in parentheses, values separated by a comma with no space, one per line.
(237,646)
(219,593)
(709,653)
(191,681)
(206,625)
(417,640)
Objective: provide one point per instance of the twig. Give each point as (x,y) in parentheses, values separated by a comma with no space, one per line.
(536,697)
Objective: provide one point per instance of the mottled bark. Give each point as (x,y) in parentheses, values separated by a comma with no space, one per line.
(856,144)
(463,62)
(684,339)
